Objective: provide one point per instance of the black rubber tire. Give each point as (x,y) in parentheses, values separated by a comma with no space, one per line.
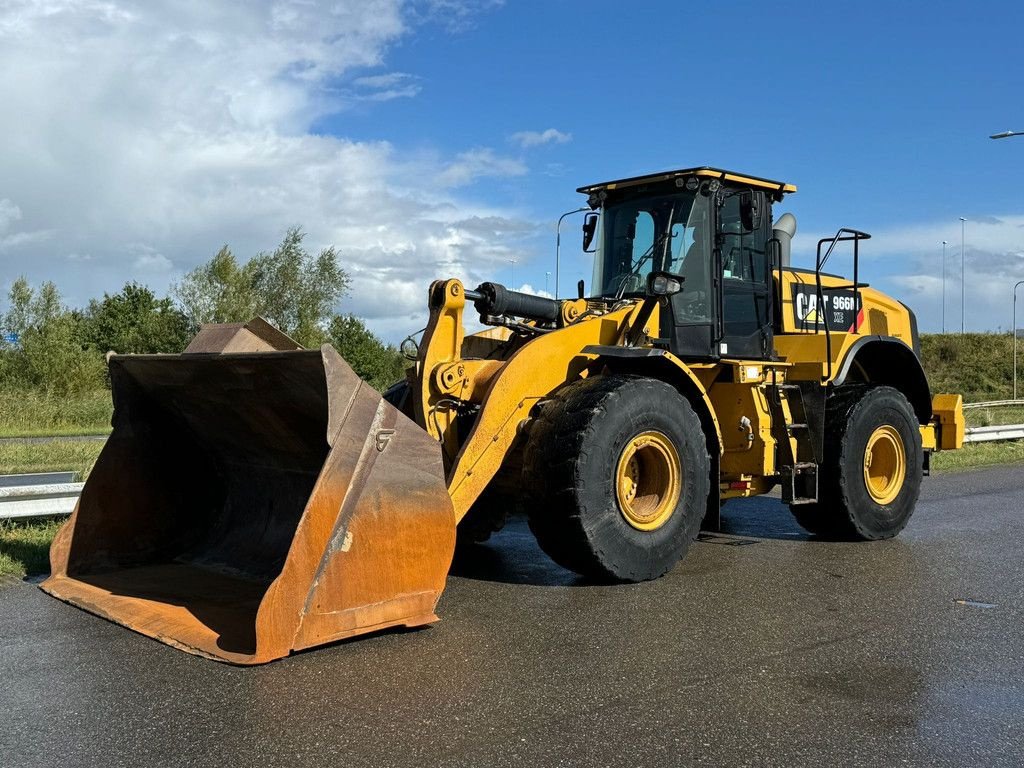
(570,462)
(845,510)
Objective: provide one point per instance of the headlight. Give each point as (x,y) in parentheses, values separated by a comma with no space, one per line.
(663,284)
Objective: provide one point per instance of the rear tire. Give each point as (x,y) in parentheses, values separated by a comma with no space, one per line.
(620,473)
(870,479)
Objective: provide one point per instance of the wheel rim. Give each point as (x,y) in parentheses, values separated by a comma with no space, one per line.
(648,480)
(885,464)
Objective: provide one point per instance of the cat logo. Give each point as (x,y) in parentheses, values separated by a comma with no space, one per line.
(807,309)
(838,309)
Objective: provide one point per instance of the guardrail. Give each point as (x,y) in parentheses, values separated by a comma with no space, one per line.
(38,500)
(993,433)
(994,404)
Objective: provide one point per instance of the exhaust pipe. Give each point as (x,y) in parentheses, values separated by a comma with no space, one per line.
(783,231)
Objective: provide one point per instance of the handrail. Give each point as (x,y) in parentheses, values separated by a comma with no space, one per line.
(854,236)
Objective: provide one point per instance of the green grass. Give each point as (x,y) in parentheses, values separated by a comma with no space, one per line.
(979,455)
(25,547)
(55,456)
(985,417)
(977,365)
(26,413)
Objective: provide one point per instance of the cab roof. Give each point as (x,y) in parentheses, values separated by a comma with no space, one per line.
(778,187)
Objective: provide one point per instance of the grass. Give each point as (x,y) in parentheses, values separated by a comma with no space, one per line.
(25,547)
(979,455)
(29,414)
(977,365)
(55,456)
(985,417)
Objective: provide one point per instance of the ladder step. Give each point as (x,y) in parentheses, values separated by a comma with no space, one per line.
(796,426)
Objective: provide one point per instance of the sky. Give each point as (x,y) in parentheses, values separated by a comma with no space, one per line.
(434,138)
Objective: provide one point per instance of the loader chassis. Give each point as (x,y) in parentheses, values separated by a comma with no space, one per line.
(703,367)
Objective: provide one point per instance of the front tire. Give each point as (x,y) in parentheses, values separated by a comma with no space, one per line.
(871,477)
(620,474)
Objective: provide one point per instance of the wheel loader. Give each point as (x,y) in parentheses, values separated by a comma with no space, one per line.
(256,499)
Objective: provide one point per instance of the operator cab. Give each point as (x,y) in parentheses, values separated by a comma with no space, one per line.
(711,227)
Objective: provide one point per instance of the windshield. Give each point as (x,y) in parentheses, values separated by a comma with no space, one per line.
(656,233)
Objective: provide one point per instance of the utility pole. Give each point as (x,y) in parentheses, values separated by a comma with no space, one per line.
(943,286)
(963,274)
(1019,283)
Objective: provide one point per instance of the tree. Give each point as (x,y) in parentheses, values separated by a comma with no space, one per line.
(290,287)
(379,364)
(136,321)
(52,353)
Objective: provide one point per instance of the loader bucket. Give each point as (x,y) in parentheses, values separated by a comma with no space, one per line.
(248,505)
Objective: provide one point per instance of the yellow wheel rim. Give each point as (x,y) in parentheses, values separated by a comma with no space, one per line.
(648,480)
(885,464)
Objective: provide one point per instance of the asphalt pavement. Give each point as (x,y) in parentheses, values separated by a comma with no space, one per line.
(764,647)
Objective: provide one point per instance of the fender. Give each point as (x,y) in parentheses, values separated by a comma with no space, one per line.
(660,364)
(887,360)
(663,365)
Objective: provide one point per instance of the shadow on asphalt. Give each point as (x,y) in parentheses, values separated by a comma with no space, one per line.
(512,555)
(762,517)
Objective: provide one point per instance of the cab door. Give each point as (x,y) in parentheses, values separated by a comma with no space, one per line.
(744,277)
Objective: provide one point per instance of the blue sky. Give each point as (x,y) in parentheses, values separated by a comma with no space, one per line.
(443,136)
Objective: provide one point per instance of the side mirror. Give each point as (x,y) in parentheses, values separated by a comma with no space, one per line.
(750,210)
(589,230)
(664,284)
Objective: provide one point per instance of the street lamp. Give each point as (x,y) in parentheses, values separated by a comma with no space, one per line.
(1006,134)
(558,241)
(943,286)
(963,275)
(1019,283)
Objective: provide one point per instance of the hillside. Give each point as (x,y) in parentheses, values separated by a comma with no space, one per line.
(977,365)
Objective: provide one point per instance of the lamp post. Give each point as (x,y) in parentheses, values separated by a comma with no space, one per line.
(943,286)
(963,275)
(558,241)
(1018,283)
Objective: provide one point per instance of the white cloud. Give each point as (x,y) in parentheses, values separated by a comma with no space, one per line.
(148,135)
(478,163)
(527,288)
(385,87)
(527,139)
(455,15)
(9,212)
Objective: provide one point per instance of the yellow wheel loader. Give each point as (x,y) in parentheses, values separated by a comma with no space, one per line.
(255,499)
